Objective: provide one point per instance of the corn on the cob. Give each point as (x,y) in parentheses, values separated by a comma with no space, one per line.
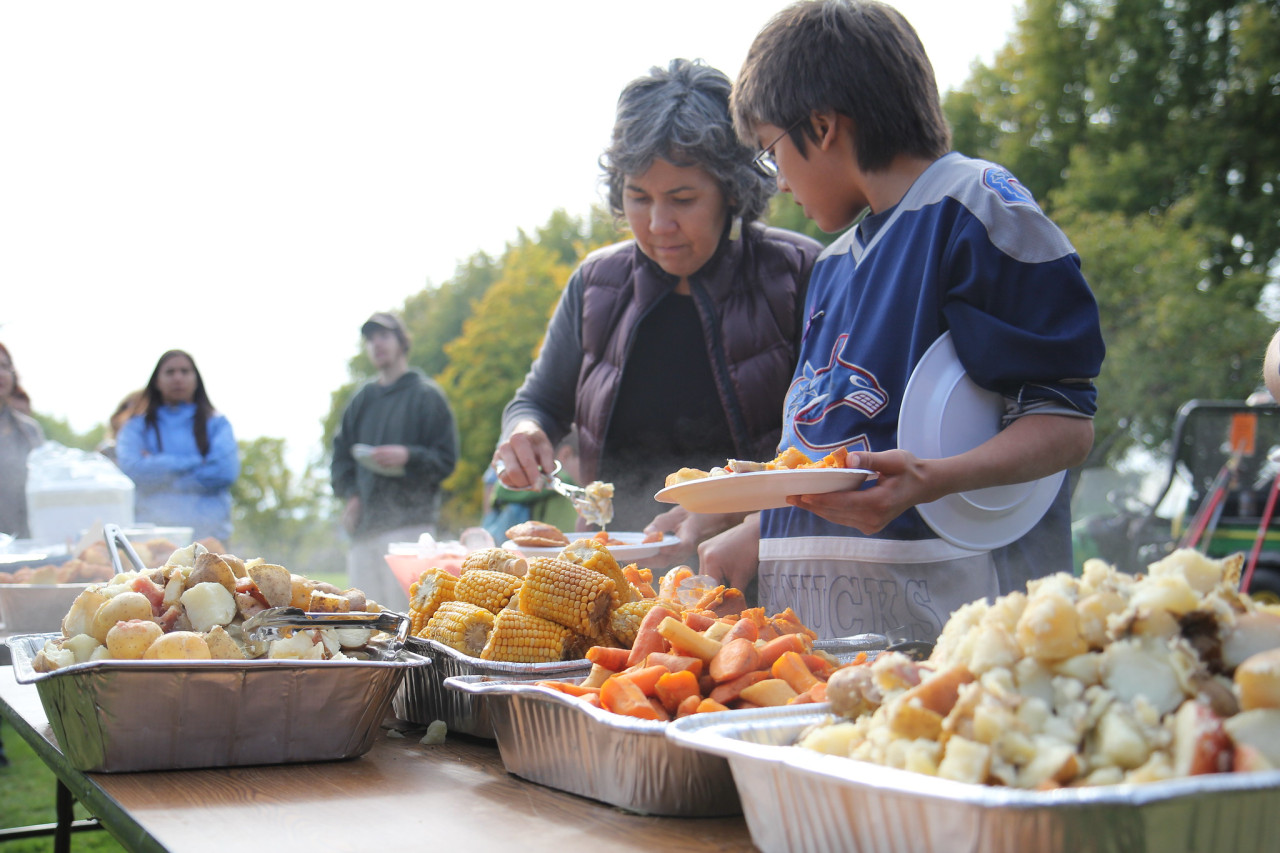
(490,590)
(461,626)
(496,560)
(625,621)
(521,638)
(568,594)
(432,588)
(594,555)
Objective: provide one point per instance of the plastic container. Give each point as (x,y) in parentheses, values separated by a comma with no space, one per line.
(70,491)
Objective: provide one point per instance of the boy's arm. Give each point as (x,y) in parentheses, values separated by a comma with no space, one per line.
(1031,447)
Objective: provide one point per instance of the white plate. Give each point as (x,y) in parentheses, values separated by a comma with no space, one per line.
(632,549)
(363,453)
(945,413)
(757,490)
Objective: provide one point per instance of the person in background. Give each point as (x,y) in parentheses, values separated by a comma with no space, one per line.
(180,453)
(675,348)
(125,409)
(1271,367)
(841,101)
(402,427)
(19,435)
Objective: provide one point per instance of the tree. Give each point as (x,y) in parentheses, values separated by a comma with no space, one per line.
(1147,130)
(282,517)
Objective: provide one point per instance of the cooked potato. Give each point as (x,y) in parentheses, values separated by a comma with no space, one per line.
(237,565)
(179,645)
(79,619)
(121,608)
(300,594)
(274,582)
(210,568)
(222,646)
(82,646)
(325,602)
(301,646)
(1257,680)
(130,640)
(208,604)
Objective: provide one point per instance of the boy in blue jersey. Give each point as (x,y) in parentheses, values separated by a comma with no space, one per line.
(841,99)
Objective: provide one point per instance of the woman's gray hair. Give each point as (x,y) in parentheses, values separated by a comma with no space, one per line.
(681,114)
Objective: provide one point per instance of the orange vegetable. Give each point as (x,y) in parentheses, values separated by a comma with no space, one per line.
(646,677)
(791,668)
(743,628)
(675,663)
(708,705)
(776,647)
(685,640)
(592,699)
(820,666)
(660,711)
(697,620)
(641,579)
(730,690)
(609,658)
(648,639)
(769,693)
(816,693)
(570,688)
(674,688)
(690,705)
(735,658)
(621,696)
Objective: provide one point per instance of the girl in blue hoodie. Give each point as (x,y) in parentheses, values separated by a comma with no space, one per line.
(180,453)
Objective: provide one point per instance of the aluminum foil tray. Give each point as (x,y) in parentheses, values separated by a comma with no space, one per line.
(553,739)
(27,608)
(422,698)
(122,716)
(798,800)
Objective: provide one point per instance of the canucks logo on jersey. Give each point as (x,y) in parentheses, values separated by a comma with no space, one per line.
(812,399)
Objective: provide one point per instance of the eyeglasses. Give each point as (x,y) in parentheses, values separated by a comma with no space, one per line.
(764,160)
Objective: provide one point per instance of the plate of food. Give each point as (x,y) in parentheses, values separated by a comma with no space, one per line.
(742,486)
(538,539)
(945,413)
(363,454)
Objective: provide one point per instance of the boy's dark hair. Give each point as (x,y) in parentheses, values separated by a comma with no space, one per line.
(859,58)
(681,114)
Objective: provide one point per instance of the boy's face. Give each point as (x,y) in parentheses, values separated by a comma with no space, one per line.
(823,180)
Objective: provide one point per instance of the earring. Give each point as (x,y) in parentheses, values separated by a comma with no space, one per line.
(735,228)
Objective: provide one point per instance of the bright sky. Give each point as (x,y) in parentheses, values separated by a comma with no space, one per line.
(248,180)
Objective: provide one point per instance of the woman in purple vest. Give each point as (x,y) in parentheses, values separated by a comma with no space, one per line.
(674,348)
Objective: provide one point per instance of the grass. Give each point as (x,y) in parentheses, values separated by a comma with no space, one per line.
(27,798)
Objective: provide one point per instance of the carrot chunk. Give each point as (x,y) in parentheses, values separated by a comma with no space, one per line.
(622,696)
(609,658)
(709,705)
(675,663)
(648,639)
(730,690)
(791,668)
(674,688)
(774,649)
(646,678)
(735,658)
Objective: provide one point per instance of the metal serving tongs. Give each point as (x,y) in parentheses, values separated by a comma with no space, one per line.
(115,540)
(267,625)
(590,509)
(897,640)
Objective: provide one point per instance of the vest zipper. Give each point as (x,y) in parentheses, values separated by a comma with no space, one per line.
(737,423)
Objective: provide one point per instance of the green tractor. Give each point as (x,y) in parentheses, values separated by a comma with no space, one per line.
(1219,496)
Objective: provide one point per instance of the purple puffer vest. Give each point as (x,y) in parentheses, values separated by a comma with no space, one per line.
(749,298)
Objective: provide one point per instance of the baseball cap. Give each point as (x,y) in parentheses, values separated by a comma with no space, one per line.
(390,322)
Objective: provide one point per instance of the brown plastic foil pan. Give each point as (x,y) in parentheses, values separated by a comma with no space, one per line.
(798,800)
(115,716)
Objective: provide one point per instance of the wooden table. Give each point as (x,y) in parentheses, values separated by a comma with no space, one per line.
(400,793)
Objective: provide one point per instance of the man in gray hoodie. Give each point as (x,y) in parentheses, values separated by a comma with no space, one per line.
(396,443)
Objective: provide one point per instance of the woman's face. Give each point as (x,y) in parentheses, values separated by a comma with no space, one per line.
(8,379)
(677,214)
(177,380)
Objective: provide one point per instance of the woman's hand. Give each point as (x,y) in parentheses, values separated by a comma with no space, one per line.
(525,456)
(733,557)
(692,528)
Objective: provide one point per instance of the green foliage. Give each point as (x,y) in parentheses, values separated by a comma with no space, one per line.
(57,429)
(282,517)
(1147,130)
(489,360)
(783,212)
